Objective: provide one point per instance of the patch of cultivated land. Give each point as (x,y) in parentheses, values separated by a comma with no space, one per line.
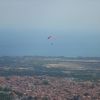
(80,68)
(77,64)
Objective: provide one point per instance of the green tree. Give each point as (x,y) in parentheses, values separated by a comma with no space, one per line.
(86,94)
(35,98)
(92,86)
(1,88)
(6,96)
(30,98)
(45,98)
(45,83)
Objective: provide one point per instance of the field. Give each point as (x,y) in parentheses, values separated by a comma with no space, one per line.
(80,68)
(77,64)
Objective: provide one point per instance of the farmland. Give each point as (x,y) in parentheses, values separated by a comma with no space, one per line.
(80,68)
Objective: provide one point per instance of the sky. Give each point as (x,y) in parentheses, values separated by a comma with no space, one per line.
(26,24)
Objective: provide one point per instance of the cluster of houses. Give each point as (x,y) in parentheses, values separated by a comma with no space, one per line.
(53,88)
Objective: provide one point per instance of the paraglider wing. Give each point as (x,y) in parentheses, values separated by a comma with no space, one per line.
(52,37)
(49,37)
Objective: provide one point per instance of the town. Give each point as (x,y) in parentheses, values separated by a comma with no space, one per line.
(50,78)
(52,88)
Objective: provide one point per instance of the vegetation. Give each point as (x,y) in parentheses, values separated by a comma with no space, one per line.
(45,98)
(80,68)
(86,94)
(6,96)
(45,83)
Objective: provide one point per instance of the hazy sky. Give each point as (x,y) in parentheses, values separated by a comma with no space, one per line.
(26,24)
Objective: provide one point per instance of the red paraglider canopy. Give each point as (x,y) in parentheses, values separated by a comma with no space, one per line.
(52,37)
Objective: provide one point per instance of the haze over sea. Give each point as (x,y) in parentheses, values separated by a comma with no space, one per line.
(26,25)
